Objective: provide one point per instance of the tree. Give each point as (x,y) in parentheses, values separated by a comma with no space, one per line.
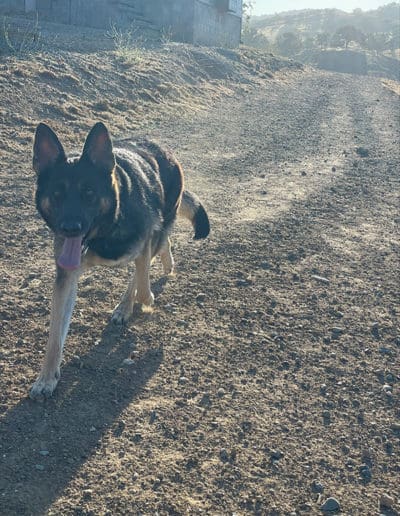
(346,34)
(376,42)
(322,40)
(252,37)
(288,44)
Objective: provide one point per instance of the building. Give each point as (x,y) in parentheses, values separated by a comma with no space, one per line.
(206,22)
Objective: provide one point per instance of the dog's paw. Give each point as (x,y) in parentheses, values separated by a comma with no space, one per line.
(122,313)
(168,265)
(145,299)
(44,387)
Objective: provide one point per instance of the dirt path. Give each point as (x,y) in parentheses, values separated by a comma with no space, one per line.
(270,361)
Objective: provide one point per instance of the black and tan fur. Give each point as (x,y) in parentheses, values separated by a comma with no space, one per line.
(119,204)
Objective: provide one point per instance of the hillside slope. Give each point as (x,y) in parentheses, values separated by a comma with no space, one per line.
(312,21)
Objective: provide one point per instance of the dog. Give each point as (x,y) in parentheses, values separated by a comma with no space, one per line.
(108,206)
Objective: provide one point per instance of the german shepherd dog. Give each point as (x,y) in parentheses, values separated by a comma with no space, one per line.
(106,207)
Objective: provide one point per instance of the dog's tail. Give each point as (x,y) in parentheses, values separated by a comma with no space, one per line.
(191,208)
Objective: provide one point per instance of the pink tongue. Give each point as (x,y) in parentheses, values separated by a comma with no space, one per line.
(70,257)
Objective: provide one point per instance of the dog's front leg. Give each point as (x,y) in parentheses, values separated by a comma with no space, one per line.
(64,295)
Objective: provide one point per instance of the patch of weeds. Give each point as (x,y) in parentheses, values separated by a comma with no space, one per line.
(128,43)
(166,35)
(21,40)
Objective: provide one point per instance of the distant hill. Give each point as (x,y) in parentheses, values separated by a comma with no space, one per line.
(365,42)
(310,22)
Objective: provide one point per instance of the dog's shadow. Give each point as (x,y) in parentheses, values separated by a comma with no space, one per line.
(44,445)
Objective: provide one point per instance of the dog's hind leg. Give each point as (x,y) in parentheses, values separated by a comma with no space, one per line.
(167,259)
(64,296)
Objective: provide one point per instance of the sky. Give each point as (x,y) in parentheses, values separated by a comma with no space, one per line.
(276,6)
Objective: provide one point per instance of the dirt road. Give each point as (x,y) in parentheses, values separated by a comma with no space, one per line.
(270,361)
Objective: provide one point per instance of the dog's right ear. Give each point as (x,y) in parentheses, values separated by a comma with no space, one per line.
(47,149)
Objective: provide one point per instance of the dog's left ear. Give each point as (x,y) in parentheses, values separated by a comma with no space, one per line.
(98,147)
(47,149)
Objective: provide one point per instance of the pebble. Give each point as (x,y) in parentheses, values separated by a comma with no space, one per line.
(330,505)
(365,472)
(317,486)
(323,388)
(326,414)
(221,392)
(276,455)
(183,380)
(320,279)
(128,362)
(200,298)
(223,455)
(44,452)
(362,152)
(387,387)
(246,426)
(386,501)
(39,467)
(346,449)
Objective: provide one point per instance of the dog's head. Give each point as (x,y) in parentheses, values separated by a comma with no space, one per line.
(73,195)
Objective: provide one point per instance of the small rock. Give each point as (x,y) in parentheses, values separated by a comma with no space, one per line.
(333,169)
(247,426)
(323,388)
(244,282)
(375,330)
(128,362)
(337,329)
(276,455)
(183,380)
(303,173)
(367,454)
(387,388)
(395,427)
(386,501)
(44,452)
(224,455)
(92,429)
(326,414)
(200,298)
(362,152)
(330,505)
(137,438)
(320,279)
(365,472)
(87,494)
(39,467)
(317,486)
(205,401)
(221,392)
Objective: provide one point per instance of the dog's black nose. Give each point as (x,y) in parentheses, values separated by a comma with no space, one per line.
(72,228)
